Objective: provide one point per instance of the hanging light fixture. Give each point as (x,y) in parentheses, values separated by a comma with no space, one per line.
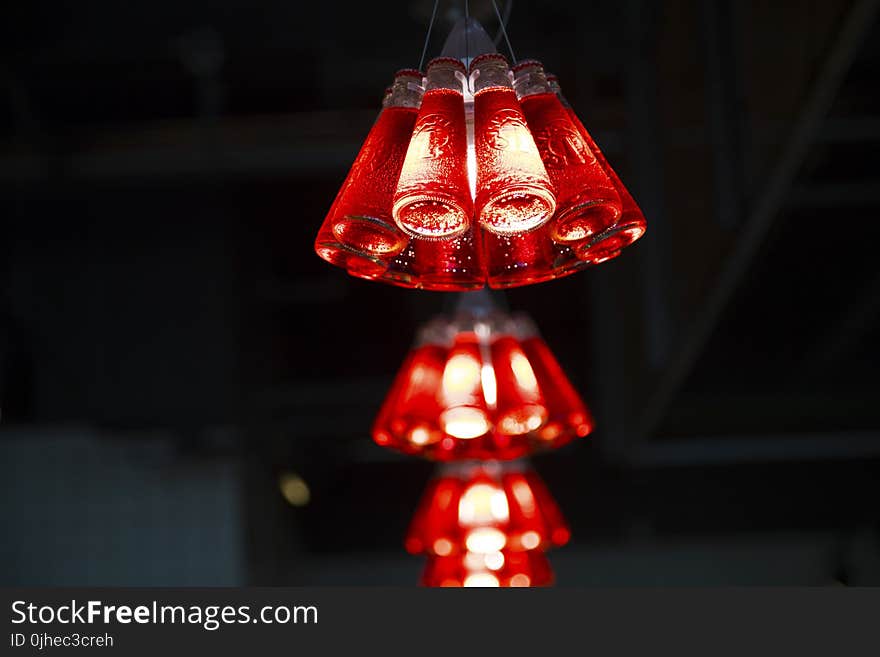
(479,176)
(483,385)
(486,524)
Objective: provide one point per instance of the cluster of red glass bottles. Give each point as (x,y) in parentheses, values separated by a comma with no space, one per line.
(480,390)
(521,197)
(486,525)
(480,387)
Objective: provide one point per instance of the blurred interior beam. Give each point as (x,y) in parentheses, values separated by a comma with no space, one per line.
(730,450)
(227,147)
(836,195)
(307,143)
(724,109)
(846,331)
(642,31)
(855,25)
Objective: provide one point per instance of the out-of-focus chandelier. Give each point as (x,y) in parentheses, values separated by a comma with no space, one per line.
(479,391)
(477,174)
(482,385)
(486,525)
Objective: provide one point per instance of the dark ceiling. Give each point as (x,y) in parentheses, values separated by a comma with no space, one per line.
(165,166)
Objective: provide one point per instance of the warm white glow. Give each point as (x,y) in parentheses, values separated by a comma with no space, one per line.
(530,540)
(483,504)
(471,148)
(420,379)
(520,580)
(515,424)
(472,166)
(523,373)
(294,489)
(481,580)
(494,560)
(420,436)
(464,422)
(524,497)
(461,378)
(442,547)
(490,386)
(473,561)
(485,540)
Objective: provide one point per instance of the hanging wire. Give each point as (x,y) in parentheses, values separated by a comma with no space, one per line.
(428,35)
(508,8)
(467,28)
(504,32)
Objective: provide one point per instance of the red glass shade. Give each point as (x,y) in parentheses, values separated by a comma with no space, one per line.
(433,198)
(534,200)
(502,569)
(480,388)
(486,509)
(359,232)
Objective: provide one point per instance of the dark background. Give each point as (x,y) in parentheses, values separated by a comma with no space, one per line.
(171,347)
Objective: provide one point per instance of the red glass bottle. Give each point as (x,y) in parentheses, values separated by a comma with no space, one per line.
(465,414)
(359,232)
(514,193)
(520,404)
(631,225)
(409,419)
(535,519)
(586,201)
(433,198)
(567,415)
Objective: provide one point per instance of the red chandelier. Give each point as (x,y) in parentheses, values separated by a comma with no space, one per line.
(486,525)
(477,175)
(481,386)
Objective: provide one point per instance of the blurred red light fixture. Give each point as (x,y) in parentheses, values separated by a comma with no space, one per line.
(483,385)
(486,524)
(477,175)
